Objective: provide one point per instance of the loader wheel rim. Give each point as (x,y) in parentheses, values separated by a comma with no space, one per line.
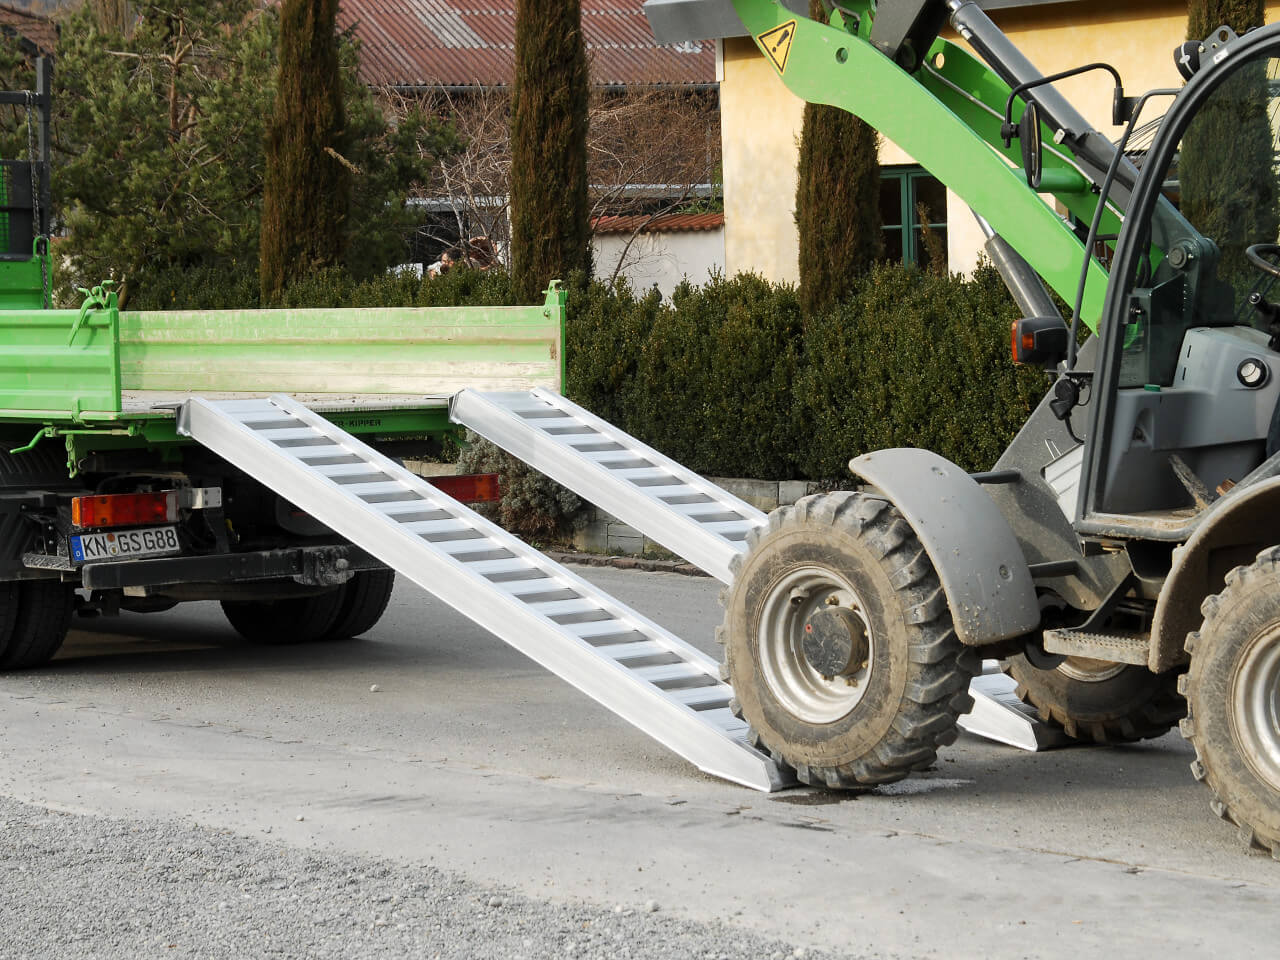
(1087,670)
(793,600)
(1255,706)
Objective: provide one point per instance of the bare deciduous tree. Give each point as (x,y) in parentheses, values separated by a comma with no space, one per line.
(651,152)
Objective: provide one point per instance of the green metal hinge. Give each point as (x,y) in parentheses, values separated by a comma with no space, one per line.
(554,309)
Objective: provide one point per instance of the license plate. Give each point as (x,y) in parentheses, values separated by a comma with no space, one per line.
(151,542)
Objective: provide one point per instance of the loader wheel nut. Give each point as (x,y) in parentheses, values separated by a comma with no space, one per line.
(835,642)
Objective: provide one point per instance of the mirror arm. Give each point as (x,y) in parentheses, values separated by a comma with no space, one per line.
(1009,130)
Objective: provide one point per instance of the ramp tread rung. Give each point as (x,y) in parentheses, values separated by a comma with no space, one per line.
(667,673)
(290,433)
(727,528)
(515,565)
(724,719)
(425,528)
(701,697)
(600,628)
(560,608)
(318,452)
(528,588)
(378,487)
(360,467)
(634,651)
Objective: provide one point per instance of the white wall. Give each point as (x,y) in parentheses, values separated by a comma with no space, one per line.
(661,258)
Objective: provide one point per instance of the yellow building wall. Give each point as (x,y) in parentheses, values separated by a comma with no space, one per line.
(760,118)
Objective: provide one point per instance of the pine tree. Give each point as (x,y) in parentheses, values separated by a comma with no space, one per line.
(1225,168)
(837,200)
(550,235)
(307,183)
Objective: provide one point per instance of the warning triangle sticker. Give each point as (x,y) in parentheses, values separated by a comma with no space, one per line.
(776,44)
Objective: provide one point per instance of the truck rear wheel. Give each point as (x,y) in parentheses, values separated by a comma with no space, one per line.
(1233,700)
(839,644)
(34,618)
(1099,701)
(364,600)
(277,622)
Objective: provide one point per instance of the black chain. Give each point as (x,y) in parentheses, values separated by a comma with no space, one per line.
(36,222)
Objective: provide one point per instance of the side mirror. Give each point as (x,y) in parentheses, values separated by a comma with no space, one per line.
(1041,341)
(1029,137)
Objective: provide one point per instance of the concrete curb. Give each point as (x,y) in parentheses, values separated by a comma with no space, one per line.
(626,563)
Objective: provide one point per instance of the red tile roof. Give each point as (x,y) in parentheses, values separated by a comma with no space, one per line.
(461,43)
(39,30)
(669,223)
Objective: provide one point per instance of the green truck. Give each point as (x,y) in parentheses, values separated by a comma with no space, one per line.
(105,506)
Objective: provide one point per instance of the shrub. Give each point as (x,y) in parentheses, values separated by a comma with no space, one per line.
(532,506)
(913,359)
(731,378)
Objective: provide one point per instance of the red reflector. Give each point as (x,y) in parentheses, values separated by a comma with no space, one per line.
(1013,340)
(470,488)
(125,509)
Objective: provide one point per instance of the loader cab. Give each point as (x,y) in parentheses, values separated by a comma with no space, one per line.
(1188,374)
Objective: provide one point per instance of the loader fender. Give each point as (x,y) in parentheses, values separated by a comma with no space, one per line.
(975,554)
(1234,530)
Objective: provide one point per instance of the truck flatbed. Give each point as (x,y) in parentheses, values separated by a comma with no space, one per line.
(104,378)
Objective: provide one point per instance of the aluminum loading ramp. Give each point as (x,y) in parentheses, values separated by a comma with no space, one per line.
(687,514)
(640,671)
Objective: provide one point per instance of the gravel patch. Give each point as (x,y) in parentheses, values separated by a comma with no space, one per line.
(93,887)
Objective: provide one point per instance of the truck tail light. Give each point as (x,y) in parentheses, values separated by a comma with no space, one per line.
(470,488)
(125,509)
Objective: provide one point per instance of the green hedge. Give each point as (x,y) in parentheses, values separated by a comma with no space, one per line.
(730,378)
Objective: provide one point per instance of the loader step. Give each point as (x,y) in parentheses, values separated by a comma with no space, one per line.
(687,514)
(1118,648)
(637,669)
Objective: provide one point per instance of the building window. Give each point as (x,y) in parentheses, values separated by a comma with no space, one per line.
(904,193)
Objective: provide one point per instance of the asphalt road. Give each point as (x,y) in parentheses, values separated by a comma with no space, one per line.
(474,760)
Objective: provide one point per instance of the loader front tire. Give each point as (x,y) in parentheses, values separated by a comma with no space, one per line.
(839,644)
(1233,701)
(1099,702)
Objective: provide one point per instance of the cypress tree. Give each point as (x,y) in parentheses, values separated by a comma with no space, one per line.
(1204,16)
(550,235)
(1225,167)
(307,185)
(837,200)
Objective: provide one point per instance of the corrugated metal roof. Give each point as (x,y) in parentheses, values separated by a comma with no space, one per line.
(443,43)
(39,30)
(668,223)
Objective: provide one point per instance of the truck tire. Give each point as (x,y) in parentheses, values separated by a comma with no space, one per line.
(34,618)
(1102,702)
(1233,700)
(839,644)
(279,622)
(364,600)
(43,467)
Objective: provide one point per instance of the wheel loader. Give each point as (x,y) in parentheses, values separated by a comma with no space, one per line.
(1122,558)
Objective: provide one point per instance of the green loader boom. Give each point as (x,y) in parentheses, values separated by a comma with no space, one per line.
(947,109)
